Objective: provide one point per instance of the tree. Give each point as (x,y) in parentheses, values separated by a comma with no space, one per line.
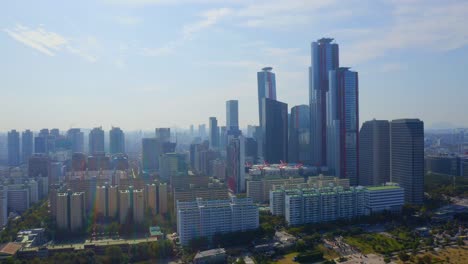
(115,254)
(403,256)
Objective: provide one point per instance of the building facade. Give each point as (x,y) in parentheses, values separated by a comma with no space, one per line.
(275,131)
(343,124)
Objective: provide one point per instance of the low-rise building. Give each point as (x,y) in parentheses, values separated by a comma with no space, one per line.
(212,256)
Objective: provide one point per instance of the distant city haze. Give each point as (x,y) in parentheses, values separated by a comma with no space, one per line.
(146,64)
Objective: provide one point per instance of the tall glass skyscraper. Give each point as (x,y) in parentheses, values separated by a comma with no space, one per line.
(343,124)
(214,133)
(324,58)
(299,134)
(13,148)
(275,131)
(407,157)
(96,141)
(27,145)
(232,117)
(266,88)
(116,141)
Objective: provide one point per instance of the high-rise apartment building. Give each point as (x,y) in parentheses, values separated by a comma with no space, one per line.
(266,89)
(324,58)
(40,144)
(151,197)
(124,205)
(13,148)
(214,133)
(70,211)
(374,153)
(407,157)
(275,131)
(299,135)
(3,205)
(343,124)
(116,141)
(96,141)
(27,145)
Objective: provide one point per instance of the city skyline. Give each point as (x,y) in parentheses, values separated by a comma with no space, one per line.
(135,54)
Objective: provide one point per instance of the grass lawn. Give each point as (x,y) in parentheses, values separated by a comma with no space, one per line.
(328,253)
(287,259)
(448,255)
(374,243)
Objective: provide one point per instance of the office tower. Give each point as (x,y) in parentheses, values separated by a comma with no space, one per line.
(163,134)
(299,135)
(3,205)
(96,141)
(138,206)
(275,131)
(232,117)
(343,124)
(172,165)
(124,206)
(324,58)
(76,139)
(258,136)
(18,198)
(151,198)
(26,145)
(162,198)
(407,157)
(202,218)
(77,211)
(235,164)
(150,154)
(251,150)
(202,131)
(266,89)
(116,141)
(40,145)
(374,153)
(191,131)
(223,137)
(214,133)
(13,148)
(55,132)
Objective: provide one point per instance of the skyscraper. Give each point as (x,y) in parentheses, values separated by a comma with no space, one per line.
(150,154)
(76,139)
(163,134)
(232,117)
(214,133)
(26,145)
(299,135)
(266,88)
(374,153)
(116,141)
(235,164)
(96,141)
(13,148)
(343,124)
(202,131)
(40,144)
(324,58)
(275,130)
(407,157)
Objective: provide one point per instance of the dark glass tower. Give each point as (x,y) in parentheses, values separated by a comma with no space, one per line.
(275,131)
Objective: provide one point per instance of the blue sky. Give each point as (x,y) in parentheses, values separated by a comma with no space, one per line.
(140,64)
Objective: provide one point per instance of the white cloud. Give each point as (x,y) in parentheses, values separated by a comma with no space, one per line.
(209,18)
(46,42)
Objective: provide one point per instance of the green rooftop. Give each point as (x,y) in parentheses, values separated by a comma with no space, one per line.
(383,187)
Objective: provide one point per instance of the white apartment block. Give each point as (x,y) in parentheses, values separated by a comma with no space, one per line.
(204,218)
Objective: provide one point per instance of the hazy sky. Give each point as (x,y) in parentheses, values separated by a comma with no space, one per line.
(154,63)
